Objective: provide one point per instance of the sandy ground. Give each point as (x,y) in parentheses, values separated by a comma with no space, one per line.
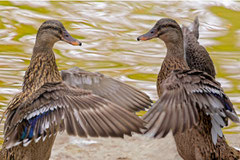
(129,148)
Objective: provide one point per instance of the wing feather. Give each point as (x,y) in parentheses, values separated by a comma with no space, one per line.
(184,94)
(58,107)
(106,87)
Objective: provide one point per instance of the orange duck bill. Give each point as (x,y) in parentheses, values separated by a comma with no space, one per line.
(153,33)
(69,39)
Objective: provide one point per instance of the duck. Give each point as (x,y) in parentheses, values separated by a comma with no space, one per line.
(47,104)
(191,104)
(196,56)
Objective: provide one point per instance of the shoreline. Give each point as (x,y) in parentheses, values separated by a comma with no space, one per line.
(136,147)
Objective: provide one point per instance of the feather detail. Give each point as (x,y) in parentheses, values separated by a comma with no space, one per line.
(58,107)
(108,88)
(183,94)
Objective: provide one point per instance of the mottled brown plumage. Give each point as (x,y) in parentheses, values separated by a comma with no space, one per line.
(195,54)
(191,103)
(166,69)
(48,105)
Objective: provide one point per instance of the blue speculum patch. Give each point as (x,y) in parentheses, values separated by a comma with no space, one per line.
(32,122)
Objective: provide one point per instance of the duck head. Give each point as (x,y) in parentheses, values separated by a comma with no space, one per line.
(166,29)
(52,31)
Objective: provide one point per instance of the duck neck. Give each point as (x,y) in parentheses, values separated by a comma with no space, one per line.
(42,69)
(175,50)
(174,60)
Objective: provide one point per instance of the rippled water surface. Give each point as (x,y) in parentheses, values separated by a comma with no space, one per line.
(108,31)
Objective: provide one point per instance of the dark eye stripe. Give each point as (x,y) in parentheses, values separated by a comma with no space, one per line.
(165,26)
(57,36)
(161,33)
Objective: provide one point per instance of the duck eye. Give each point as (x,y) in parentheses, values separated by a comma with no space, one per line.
(151,32)
(66,35)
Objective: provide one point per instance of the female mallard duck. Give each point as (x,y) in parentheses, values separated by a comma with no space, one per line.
(47,105)
(191,103)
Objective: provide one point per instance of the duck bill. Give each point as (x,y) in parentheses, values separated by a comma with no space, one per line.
(147,36)
(69,39)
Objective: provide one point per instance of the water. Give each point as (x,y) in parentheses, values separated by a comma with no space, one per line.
(108,31)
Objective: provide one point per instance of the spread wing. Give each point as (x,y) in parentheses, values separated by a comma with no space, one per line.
(58,107)
(106,87)
(184,93)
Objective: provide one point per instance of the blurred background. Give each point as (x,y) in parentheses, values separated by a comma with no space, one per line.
(108,31)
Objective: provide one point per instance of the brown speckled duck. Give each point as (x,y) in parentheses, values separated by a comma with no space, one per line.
(191,103)
(195,54)
(47,104)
